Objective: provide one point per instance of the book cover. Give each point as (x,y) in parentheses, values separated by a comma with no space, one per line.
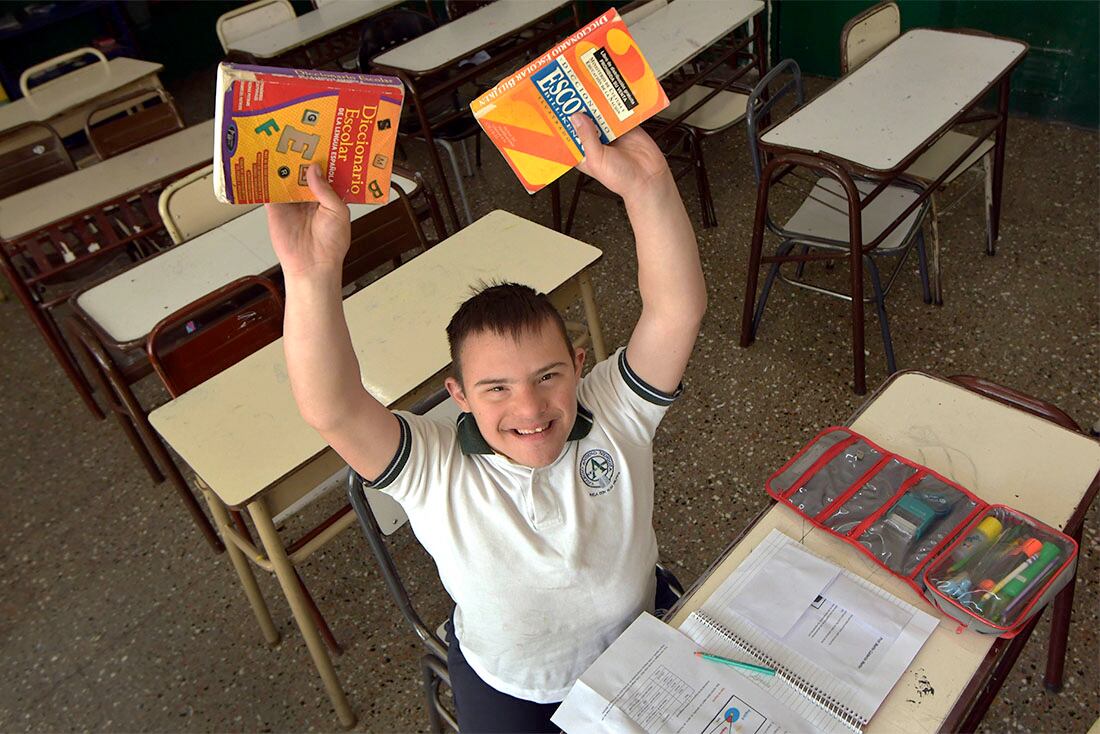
(271,124)
(598,70)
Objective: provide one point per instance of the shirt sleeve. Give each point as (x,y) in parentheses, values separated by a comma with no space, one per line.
(623,401)
(424,451)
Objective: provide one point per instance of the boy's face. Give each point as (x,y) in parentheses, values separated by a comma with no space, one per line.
(523,393)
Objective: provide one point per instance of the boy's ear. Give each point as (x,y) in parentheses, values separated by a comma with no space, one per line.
(454,387)
(578,360)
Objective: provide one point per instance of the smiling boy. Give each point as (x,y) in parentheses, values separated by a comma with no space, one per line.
(537,504)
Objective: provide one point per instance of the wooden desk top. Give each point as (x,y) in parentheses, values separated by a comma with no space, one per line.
(74,89)
(130,304)
(460,38)
(1004,455)
(681,30)
(900,99)
(240,431)
(31,210)
(308,27)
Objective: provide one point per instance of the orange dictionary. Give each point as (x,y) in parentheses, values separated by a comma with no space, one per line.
(599,70)
(272,124)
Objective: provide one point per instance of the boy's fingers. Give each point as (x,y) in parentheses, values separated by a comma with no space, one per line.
(320,188)
(586,131)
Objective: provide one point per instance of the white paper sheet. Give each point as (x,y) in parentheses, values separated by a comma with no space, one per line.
(783,588)
(650,681)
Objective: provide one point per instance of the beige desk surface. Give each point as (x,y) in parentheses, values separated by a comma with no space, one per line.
(681,30)
(308,27)
(1002,454)
(889,107)
(33,209)
(74,89)
(129,305)
(457,39)
(241,432)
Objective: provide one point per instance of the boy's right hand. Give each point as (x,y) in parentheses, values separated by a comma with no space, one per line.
(311,237)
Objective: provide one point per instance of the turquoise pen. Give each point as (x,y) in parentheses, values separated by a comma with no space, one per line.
(735,663)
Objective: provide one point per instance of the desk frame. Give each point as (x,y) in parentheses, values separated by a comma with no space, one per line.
(976,697)
(782,161)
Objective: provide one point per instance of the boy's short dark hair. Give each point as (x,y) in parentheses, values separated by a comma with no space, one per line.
(503,308)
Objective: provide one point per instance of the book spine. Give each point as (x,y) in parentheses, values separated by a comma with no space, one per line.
(819,697)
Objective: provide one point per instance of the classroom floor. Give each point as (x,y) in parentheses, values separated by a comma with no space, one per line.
(117,617)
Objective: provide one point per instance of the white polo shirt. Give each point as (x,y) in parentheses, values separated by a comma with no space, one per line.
(546,566)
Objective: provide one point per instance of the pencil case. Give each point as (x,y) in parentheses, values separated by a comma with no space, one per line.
(990,567)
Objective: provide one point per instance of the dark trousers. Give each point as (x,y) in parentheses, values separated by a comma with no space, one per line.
(483,709)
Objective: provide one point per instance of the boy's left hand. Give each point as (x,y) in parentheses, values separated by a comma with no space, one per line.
(627,166)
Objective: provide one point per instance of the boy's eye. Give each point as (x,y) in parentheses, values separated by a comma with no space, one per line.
(548,376)
(496,388)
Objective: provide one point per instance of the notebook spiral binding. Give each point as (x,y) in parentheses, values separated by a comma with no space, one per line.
(830,704)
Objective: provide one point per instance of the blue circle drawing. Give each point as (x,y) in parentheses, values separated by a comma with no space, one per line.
(732,715)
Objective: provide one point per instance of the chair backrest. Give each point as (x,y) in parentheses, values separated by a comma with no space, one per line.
(31,154)
(379,515)
(868,33)
(131,121)
(457,8)
(250,19)
(390,29)
(189,208)
(639,9)
(196,342)
(765,96)
(28,74)
(382,236)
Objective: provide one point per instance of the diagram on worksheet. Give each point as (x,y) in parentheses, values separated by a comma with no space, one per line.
(736,717)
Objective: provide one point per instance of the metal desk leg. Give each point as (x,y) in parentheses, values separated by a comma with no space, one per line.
(994,229)
(284,570)
(592,316)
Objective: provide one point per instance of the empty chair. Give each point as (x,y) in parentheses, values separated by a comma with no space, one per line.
(250,19)
(821,221)
(30,74)
(131,121)
(188,206)
(862,37)
(31,154)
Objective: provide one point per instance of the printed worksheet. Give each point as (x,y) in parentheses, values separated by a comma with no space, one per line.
(650,681)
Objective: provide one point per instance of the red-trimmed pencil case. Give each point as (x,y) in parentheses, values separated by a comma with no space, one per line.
(990,567)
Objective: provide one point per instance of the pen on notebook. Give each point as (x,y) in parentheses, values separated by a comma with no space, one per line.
(735,663)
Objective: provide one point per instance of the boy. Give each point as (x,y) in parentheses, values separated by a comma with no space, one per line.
(537,505)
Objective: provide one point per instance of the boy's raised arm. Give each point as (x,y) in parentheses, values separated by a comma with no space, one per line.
(670,277)
(311,240)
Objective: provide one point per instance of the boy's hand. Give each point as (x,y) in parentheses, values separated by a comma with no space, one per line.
(627,166)
(311,236)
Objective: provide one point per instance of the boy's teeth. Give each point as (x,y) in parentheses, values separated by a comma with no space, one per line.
(522,432)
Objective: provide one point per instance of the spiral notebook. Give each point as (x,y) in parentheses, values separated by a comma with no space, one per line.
(838,643)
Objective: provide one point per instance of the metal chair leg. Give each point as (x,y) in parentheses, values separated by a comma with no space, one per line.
(447,146)
(990,244)
(466,157)
(801,267)
(922,260)
(784,248)
(568,226)
(937,273)
(880,305)
(706,201)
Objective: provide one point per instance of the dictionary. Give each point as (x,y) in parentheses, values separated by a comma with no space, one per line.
(599,70)
(271,124)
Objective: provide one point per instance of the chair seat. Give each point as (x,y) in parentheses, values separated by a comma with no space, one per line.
(824,213)
(946,150)
(725,109)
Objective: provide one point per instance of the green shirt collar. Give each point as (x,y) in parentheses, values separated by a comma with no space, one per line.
(472,442)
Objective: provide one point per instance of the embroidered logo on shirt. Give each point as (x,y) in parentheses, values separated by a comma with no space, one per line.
(597,469)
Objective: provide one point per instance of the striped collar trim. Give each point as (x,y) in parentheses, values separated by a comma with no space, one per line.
(471,441)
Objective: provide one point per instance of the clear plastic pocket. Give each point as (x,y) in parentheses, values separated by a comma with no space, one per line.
(930,511)
(875,492)
(834,478)
(782,482)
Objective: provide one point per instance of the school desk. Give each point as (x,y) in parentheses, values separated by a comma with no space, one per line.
(65,102)
(1004,455)
(875,122)
(241,433)
(95,211)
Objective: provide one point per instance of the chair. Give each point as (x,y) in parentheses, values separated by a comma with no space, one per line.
(31,154)
(252,18)
(821,222)
(192,345)
(450,119)
(44,68)
(131,121)
(865,35)
(189,208)
(381,516)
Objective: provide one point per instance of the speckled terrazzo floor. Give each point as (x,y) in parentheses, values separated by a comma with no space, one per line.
(117,617)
